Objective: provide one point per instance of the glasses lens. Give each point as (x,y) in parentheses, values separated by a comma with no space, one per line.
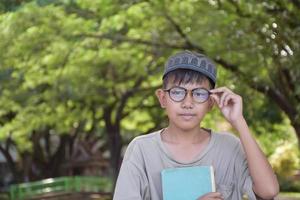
(200,95)
(177,94)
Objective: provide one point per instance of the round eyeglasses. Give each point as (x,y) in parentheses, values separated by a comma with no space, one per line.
(178,94)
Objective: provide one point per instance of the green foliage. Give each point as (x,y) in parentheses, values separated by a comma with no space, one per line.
(11,5)
(285,160)
(287,185)
(39,88)
(59,79)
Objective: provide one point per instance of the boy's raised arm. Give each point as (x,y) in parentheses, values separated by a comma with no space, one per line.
(265,183)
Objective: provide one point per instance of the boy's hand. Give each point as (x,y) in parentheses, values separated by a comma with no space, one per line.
(230,104)
(212,196)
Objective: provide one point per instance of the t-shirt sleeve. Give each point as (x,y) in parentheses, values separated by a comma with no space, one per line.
(131,183)
(243,178)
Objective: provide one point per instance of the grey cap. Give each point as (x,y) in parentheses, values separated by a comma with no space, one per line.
(193,61)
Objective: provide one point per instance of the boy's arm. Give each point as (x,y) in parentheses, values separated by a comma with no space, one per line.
(265,183)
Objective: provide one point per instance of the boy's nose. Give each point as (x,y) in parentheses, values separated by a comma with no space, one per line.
(188,100)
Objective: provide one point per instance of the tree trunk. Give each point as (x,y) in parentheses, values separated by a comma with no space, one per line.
(296,125)
(59,156)
(10,162)
(27,169)
(115,147)
(114,142)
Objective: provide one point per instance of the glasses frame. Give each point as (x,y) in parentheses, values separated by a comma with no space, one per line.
(187,92)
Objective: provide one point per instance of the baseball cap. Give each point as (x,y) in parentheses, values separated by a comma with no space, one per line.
(192,61)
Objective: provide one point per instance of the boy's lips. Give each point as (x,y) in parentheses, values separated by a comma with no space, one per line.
(187,116)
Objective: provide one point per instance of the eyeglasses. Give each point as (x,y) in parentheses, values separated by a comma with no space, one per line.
(178,94)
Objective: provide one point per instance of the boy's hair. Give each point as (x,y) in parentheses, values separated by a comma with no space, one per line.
(187,66)
(184,76)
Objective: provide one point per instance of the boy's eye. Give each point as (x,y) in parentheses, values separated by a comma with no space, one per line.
(199,94)
(177,92)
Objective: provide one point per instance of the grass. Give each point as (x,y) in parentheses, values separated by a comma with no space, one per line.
(292,195)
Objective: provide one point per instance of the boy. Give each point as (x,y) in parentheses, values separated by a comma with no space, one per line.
(187,95)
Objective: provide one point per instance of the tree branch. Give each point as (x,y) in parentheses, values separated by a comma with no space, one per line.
(296,3)
(188,43)
(120,38)
(276,95)
(139,105)
(125,97)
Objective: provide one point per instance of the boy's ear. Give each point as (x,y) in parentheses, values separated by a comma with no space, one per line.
(161,96)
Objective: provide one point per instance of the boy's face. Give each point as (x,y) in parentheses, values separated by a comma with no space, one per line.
(185,114)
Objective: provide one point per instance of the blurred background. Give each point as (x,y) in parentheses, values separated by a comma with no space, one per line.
(77,83)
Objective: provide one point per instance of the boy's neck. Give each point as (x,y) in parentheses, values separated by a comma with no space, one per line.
(178,136)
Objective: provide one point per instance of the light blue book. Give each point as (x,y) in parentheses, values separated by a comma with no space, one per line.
(187,183)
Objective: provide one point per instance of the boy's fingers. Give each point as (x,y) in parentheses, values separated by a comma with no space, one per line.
(216,99)
(222,93)
(223,97)
(220,89)
(212,196)
(216,194)
(227,98)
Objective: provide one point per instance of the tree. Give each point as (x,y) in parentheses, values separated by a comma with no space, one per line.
(58,82)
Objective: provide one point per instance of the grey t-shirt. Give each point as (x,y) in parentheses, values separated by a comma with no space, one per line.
(146,156)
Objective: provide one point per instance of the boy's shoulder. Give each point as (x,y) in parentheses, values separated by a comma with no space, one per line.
(144,138)
(227,138)
(141,142)
(227,144)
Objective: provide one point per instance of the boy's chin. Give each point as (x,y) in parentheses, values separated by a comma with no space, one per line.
(188,126)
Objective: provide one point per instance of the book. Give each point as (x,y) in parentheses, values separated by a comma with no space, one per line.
(187,183)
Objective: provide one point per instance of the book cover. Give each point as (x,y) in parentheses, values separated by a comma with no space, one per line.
(187,183)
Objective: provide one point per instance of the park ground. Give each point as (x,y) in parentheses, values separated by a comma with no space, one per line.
(288,196)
